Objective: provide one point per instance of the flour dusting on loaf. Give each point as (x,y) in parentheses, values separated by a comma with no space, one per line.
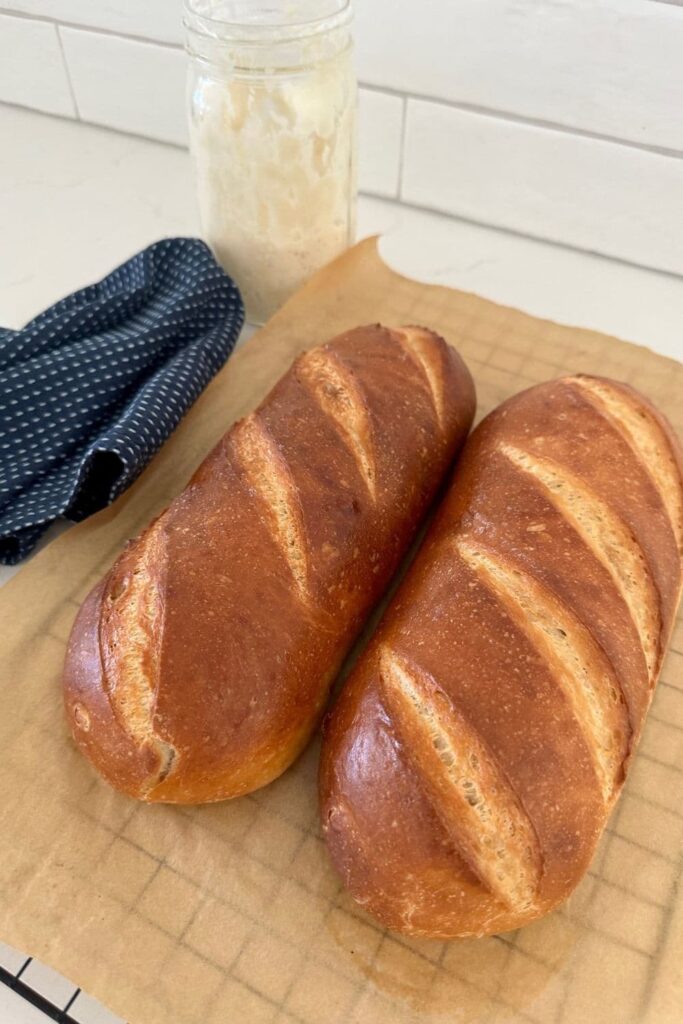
(339,396)
(131,631)
(269,477)
(470,794)
(648,438)
(607,536)
(575,661)
(418,343)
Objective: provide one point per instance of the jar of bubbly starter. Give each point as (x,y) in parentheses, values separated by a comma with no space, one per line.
(272,107)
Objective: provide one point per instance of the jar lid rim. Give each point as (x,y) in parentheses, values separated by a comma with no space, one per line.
(202,18)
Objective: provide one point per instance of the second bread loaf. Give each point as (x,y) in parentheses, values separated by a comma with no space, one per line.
(472,760)
(197,669)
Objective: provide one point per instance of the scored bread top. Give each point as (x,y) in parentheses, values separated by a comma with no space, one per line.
(470,764)
(198,670)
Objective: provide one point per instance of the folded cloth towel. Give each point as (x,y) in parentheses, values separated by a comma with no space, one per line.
(92,387)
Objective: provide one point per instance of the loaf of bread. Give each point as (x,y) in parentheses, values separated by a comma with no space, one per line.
(472,760)
(197,669)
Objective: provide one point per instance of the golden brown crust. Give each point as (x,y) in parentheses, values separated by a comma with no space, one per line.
(529,610)
(95,726)
(201,664)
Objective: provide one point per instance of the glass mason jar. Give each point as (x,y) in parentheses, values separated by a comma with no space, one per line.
(272,109)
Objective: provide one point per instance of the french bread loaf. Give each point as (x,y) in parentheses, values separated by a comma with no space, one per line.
(471,762)
(197,669)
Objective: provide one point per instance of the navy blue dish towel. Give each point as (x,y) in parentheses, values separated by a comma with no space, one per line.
(92,387)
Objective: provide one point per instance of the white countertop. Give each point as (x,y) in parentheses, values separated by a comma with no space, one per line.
(76,200)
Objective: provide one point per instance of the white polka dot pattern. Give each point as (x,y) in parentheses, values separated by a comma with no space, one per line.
(92,387)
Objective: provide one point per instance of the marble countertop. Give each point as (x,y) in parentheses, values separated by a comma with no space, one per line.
(76,200)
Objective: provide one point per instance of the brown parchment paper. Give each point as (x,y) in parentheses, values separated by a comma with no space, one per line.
(231,912)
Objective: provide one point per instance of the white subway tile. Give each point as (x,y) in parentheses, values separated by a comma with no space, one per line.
(133,86)
(600,196)
(380,126)
(613,68)
(48,983)
(154,19)
(32,71)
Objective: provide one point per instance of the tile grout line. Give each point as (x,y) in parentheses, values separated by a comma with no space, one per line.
(496,113)
(480,110)
(402,148)
(103,30)
(662,939)
(67,72)
(544,239)
(461,218)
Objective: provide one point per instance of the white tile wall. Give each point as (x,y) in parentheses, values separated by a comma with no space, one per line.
(32,71)
(592,194)
(612,67)
(556,118)
(153,19)
(122,83)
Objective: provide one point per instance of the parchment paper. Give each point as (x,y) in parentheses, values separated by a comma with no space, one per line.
(231,912)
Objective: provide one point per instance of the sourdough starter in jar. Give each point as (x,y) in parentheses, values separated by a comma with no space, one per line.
(273,133)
